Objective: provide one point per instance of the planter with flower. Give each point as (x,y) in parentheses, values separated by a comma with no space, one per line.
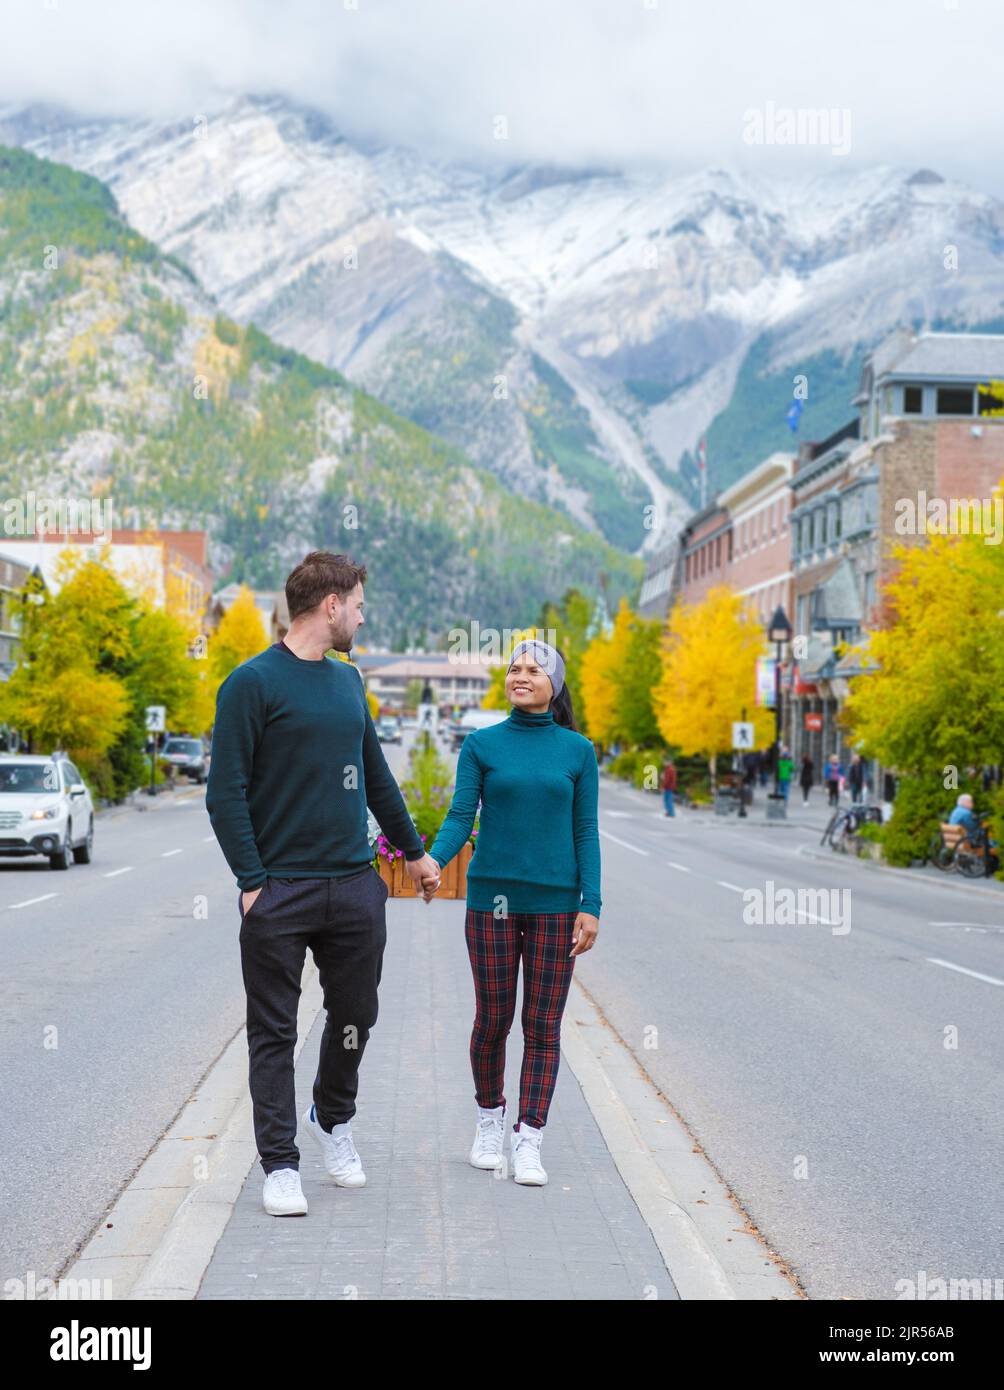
(427,793)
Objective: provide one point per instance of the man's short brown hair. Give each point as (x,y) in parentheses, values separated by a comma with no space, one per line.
(318,574)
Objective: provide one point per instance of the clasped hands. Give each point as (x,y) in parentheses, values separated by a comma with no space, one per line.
(426,872)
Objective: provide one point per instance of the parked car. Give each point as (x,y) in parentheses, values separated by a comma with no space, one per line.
(474,719)
(45,808)
(188,756)
(389,729)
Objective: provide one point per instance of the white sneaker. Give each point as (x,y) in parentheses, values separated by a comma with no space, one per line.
(282,1194)
(524,1145)
(489,1138)
(340,1157)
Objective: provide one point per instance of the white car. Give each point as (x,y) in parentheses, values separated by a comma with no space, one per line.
(45,808)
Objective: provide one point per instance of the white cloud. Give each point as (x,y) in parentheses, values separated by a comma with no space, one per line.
(617,82)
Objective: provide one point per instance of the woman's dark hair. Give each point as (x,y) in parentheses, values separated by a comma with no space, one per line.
(561,704)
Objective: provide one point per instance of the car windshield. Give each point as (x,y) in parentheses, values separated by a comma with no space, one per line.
(183,745)
(28,777)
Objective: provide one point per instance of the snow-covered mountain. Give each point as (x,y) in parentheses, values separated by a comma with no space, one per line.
(576,331)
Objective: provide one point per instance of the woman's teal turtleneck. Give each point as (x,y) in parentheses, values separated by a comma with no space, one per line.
(538,845)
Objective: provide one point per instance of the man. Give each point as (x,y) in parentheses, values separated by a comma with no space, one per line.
(964,814)
(669,786)
(785,767)
(834,776)
(296,760)
(856,777)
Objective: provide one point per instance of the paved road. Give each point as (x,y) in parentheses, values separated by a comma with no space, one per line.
(811,1063)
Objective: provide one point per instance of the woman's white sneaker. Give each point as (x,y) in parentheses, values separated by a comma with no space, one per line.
(489,1138)
(524,1145)
(282,1194)
(340,1157)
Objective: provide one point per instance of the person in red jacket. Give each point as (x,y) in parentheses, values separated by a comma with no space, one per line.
(669,786)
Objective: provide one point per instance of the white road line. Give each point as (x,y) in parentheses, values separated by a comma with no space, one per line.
(28,901)
(624,843)
(207,838)
(823,921)
(168,852)
(112,873)
(990,979)
(682,867)
(721,882)
(983,925)
(620,815)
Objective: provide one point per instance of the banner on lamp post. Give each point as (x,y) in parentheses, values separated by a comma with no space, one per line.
(765,681)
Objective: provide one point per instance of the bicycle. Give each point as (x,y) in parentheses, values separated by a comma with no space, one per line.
(845,823)
(955,848)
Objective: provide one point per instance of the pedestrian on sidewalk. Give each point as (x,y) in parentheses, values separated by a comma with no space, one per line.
(296,760)
(785,768)
(834,776)
(856,777)
(533,891)
(669,786)
(805,778)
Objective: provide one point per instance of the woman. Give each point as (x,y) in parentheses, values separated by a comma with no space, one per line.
(533,890)
(805,778)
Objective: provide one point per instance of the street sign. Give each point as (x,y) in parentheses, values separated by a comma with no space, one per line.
(742,736)
(155,719)
(814,722)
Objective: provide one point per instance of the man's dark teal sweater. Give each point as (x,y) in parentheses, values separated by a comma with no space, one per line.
(295,762)
(538,844)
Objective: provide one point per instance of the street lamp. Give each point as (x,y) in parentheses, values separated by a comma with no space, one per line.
(778,632)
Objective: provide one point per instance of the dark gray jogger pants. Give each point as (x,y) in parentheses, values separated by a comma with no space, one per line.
(343,921)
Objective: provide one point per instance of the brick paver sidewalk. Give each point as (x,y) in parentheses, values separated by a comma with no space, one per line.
(427,1224)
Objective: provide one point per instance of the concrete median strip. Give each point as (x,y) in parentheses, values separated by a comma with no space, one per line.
(158,1239)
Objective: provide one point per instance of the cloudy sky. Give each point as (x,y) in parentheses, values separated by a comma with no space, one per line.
(598,82)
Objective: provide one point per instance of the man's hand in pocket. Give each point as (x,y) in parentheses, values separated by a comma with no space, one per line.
(249,895)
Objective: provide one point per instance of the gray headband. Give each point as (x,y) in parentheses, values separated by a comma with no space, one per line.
(547,658)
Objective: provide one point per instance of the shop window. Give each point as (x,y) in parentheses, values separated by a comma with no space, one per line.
(954,400)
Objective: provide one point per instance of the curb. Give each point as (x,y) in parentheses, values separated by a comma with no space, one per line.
(159,1236)
(709,1245)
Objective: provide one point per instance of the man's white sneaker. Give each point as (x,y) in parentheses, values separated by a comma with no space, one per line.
(282,1194)
(524,1145)
(340,1157)
(489,1138)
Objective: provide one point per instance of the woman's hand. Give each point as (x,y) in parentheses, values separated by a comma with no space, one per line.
(430,884)
(584,933)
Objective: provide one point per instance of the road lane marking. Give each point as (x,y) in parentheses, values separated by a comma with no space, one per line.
(620,815)
(990,979)
(207,838)
(113,872)
(682,867)
(168,852)
(28,901)
(721,882)
(625,844)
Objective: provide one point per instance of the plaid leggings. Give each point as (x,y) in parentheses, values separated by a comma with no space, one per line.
(495,944)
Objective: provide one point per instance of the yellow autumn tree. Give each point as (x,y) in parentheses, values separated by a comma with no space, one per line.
(600,679)
(709,677)
(936,699)
(239,636)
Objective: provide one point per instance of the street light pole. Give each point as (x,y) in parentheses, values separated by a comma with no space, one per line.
(778,632)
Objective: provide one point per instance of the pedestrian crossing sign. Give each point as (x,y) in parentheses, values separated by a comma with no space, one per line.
(742,736)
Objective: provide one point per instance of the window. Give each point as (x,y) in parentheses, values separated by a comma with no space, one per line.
(953,400)
(802,615)
(822,526)
(718,553)
(870,593)
(836,522)
(686,569)
(913,400)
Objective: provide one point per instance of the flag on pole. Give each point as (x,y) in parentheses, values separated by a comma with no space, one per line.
(794,414)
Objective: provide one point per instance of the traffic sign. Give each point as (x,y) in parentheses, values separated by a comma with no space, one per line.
(742,736)
(155,719)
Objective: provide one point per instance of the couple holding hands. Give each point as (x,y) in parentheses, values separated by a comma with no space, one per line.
(285,720)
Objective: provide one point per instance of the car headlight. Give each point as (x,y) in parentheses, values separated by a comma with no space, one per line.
(45,813)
